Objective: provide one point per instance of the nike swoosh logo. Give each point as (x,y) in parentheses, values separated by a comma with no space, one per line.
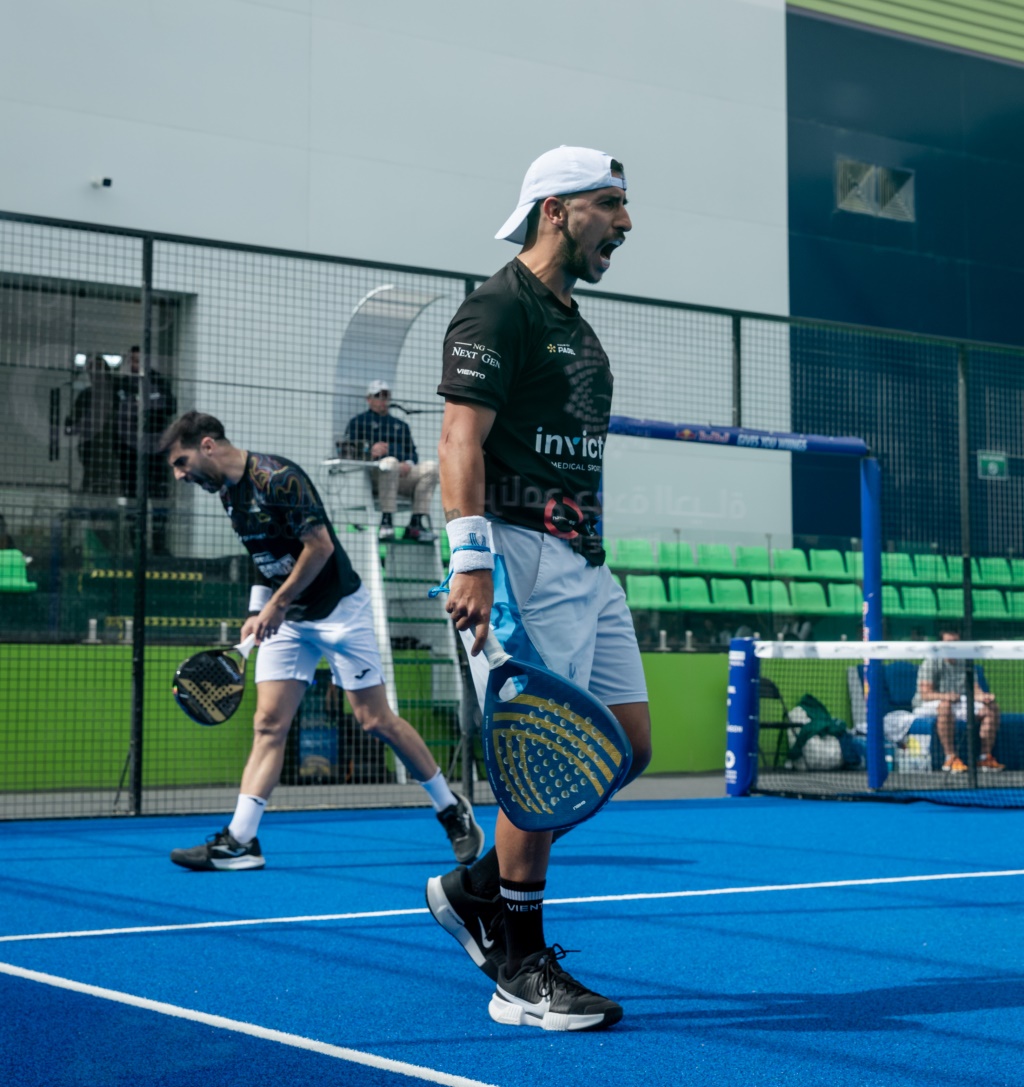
(487,944)
(362,673)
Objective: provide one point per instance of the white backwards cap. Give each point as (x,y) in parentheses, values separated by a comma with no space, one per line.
(557,173)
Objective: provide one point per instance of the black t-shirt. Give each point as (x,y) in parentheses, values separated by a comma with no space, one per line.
(271,508)
(516,348)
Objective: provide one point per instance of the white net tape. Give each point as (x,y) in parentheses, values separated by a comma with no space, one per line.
(858,651)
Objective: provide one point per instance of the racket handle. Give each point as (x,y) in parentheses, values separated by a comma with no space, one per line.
(496,656)
(245,648)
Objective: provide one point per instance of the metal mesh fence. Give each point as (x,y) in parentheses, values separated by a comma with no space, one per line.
(280,347)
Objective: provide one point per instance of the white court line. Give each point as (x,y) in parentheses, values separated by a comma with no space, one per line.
(353,1056)
(638,897)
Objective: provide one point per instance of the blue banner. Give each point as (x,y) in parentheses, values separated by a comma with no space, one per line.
(741,437)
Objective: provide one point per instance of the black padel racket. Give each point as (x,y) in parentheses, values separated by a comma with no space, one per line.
(554,754)
(209,685)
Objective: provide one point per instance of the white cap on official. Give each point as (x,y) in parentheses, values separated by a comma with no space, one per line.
(376,387)
(557,173)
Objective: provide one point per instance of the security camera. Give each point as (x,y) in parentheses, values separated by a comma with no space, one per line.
(102,182)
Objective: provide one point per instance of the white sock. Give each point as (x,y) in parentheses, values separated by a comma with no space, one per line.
(246,820)
(440,795)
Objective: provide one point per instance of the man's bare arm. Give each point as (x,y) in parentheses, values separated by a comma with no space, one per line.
(460,455)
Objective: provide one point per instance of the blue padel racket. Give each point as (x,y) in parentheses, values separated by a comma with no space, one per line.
(554,754)
(209,685)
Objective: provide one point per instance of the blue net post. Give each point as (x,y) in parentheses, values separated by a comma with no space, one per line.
(871,543)
(742,720)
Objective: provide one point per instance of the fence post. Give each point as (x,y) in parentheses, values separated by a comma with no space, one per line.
(871,549)
(964,428)
(141,527)
(742,721)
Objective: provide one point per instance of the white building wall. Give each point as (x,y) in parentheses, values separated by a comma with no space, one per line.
(401,131)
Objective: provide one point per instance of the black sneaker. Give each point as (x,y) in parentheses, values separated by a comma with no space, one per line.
(542,994)
(477,923)
(466,836)
(420,532)
(220,853)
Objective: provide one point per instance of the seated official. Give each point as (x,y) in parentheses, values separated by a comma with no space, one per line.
(376,435)
(942,694)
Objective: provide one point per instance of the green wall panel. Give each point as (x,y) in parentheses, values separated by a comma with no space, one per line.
(687,693)
(991,27)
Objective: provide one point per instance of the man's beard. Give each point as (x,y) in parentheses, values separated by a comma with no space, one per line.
(574,262)
(207,482)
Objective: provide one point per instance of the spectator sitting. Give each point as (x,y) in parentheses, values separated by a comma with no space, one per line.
(378,436)
(942,693)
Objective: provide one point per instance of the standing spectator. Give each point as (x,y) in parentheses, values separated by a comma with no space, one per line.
(92,422)
(376,435)
(158,412)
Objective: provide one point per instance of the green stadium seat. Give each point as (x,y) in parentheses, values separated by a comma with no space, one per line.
(1017,571)
(689,594)
(715,559)
(645,592)
(771,596)
(675,557)
(845,598)
(955,568)
(446,548)
(730,594)
(919,600)
(991,571)
(809,598)
(13,577)
(855,565)
(827,563)
(789,562)
(634,555)
(990,604)
(931,569)
(951,603)
(753,561)
(897,566)
(892,603)
(1015,605)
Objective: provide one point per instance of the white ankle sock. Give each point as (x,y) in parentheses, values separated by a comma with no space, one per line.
(246,820)
(440,795)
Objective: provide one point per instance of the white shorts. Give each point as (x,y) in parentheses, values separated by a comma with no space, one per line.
(931,709)
(552,609)
(345,638)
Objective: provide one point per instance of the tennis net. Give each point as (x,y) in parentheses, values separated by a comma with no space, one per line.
(889,720)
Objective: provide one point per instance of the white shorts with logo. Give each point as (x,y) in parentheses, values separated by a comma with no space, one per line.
(552,608)
(345,638)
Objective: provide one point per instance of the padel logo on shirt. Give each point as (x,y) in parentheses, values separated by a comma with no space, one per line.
(561,349)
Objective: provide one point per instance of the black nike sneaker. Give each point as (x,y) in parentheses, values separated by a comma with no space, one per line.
(477,923)
(220,853)
(466,836)
(542,994)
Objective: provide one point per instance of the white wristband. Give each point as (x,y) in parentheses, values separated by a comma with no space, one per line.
(258,597)
(462,562)
(468,532)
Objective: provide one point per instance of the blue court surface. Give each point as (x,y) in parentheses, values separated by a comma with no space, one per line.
(754,941)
